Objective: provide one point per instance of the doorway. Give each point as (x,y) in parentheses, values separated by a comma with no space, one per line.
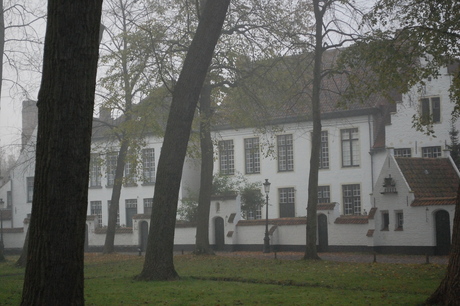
(442,225)
(219,234)
(322,233)
(144,234)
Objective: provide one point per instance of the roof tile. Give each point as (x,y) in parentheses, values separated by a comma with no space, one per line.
(434,181)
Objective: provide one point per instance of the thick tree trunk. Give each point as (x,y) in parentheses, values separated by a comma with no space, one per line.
(310,251)
(158,263)
(207,165)
(448,292)
(109,245)
(54,272)
(22,260)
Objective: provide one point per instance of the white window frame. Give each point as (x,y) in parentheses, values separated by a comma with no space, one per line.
(285,144)
(226,157)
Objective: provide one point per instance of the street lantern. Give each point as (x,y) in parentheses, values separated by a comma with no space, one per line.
(266,238)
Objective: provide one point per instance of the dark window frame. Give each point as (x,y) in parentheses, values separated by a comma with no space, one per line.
(350,145)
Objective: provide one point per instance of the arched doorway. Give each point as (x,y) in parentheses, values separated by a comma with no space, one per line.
(219,234)
(322,233)
(144,234)
(442,225)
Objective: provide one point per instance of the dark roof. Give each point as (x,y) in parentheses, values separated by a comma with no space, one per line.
(184,224)
(231,218)
(351,220)
(372,213)
(121,230)
(13,230)
(325,206)
(434,181)
(279,221)
(279,91)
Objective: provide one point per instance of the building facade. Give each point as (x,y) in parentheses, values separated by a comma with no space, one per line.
(357,144)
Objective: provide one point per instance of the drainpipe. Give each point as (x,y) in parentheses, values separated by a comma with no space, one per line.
(371,150)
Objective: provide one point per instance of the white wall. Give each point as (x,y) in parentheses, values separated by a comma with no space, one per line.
(335,176)
(400,134)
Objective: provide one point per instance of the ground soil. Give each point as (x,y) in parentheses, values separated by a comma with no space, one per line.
(346,257)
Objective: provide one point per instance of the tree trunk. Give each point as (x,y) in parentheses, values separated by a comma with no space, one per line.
(109,245)
(2,42)
(207,165)
(54,272)
(310,251)
(22,260)
(158,263)
(448,292)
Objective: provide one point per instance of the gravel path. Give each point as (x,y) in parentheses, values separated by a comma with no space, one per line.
(346,257)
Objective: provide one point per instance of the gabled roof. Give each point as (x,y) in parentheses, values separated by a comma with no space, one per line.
(434,181)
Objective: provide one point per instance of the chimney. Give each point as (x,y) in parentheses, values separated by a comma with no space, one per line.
(29,120)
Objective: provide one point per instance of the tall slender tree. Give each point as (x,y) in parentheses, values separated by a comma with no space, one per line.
(333,29)
(158,263)
(65,110)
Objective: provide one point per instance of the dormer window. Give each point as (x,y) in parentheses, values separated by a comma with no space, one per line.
(389,185)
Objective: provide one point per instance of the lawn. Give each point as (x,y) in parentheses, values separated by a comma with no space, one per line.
(221,280)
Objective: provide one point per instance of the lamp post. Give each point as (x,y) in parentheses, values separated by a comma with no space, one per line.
(2,247)
(266,238)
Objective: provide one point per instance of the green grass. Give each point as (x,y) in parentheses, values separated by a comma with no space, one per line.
(219,280)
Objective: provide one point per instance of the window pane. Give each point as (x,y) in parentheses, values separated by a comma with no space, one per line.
(436,108)
(351,199)
(285,153)
(226,157)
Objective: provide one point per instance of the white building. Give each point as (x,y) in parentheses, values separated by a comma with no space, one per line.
(357,145)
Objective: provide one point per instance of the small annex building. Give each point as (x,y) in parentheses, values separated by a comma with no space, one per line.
(414,201)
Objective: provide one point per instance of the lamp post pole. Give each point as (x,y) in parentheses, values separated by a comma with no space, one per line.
(266,237)
(2,247)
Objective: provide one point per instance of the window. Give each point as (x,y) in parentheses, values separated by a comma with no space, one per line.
(96,210)
(131,210)
(352,199)
(287,202)
(109,202)
(130,173)
(324,151)
(350,147)
(95,170)
(252,155)
(399,220)
(30,189)
(227,162)
(385,220)
(255,214)
(405,152)
(148,165)
(111,168)
(431,152)
(9,199)
(285,153)
(148,206)
(324,195)
(431,110)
